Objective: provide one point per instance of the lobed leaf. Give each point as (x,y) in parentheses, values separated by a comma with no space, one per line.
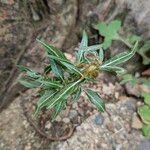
(146,98)
(129,78)
(146,130)
(109,31)
(144,112)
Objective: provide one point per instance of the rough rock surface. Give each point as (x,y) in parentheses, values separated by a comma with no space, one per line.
(110,130)
(114,133)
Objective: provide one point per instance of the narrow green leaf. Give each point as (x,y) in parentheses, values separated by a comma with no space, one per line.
(118,70)
(67,64)
(52,50)
(93,48)
(120,58)
(84,41)
(101,54)
(64,93)
(44,99)
(109,31)
(96,99)
(58,108)
(49,83)
(77,94)
(29,83)
(23,68)
(47,69)
(83,45)
(29,72)
(57,69)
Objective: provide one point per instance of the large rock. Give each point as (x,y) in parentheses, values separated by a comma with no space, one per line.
(21,23)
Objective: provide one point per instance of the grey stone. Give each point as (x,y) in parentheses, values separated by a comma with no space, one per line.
(99,119)
(66,120)
(144,145)
(73,114)
(130,105)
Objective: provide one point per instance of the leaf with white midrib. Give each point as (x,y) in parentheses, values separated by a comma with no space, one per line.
(61,93)
(95,99)
(120,58)
(92,48)
(116,69)
(29,83)
(50,83)
(52,49)
(83,45)
(45,97)
(57,69)
(67,64)
(60,106)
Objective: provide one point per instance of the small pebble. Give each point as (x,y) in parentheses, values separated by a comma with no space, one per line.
(99,119)
(136,123)
(48,125)
(66,120)
(72,114)
(75,105)
(80,111)
(58,119)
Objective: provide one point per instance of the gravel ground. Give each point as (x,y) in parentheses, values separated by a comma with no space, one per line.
(117,129)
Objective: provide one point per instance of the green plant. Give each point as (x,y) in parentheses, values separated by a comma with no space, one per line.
(67,78)
(110,32)
(144,112)
(134,80)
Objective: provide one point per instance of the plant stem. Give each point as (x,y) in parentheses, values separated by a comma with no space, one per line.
(125,42)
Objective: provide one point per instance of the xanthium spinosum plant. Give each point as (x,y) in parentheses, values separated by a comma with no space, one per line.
(68,78)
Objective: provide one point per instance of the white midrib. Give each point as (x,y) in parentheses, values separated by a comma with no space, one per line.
(48,47)
(64,61)
(94,98)
(63,94)
(131,53)
(116,60)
